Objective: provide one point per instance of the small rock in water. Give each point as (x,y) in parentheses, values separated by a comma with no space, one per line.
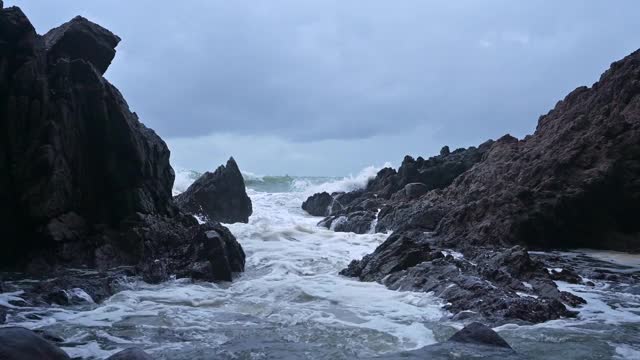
(477,333)
(18,343)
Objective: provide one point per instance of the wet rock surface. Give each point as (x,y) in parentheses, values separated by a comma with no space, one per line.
(572,184)
(83,183)
(218,196)
(21,344)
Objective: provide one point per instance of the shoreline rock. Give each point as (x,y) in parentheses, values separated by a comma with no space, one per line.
(572,184)
(83,183)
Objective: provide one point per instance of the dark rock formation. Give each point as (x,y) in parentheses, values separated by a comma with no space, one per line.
(477,333)
(82,181)
(391,189)
(319,204)
(130,354)
(497,285)
(573,183)
(218,196)
(21,344)
(473,341)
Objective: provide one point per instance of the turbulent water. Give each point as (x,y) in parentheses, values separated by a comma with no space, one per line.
(291,303)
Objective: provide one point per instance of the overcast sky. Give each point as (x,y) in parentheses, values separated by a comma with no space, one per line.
(329,87)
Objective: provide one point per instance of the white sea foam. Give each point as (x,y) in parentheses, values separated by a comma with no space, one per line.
(184,178)
(348,183)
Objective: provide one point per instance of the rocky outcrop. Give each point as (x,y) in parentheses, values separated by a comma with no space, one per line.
(493,284)
(82,181)
(573,183)
(21,344)
(357,211)
(218,196)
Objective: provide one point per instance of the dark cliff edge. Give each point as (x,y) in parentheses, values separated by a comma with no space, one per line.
(83,183)
(218,196)
(462,226)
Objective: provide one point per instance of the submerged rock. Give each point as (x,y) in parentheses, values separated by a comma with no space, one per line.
(130,354)
(218,196)
(82,181)
(18,343)
(473,341)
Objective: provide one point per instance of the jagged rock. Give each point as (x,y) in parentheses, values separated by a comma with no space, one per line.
(573,183)
(318,204)
(218,196)
(499,285)
(130,354)
(21,344)
(82,181)
(391,190)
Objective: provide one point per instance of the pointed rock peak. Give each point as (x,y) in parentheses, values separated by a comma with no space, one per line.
(231,163)
(14,24)
(82,39)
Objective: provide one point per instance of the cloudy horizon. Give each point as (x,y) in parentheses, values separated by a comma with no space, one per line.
(328,88)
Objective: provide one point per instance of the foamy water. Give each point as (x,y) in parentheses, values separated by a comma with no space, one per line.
(290,303)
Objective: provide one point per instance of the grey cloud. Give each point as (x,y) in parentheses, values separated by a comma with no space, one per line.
(313,71)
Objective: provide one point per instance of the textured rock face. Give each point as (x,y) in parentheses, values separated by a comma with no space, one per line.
(82,181)
(496,285)
(218,196)
(573,183)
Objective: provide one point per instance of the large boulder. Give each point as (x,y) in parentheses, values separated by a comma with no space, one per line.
(18,343)
(82,181)
(218,196)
